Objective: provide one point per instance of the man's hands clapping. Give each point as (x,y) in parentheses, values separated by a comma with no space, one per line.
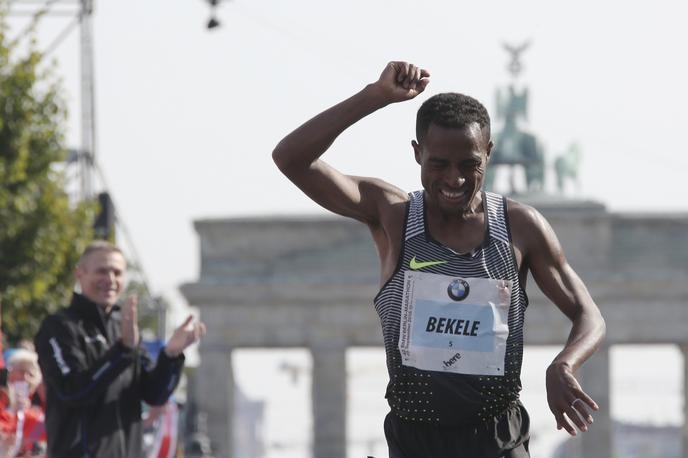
(184,335)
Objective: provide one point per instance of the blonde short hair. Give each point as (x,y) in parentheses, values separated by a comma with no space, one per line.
(98,245)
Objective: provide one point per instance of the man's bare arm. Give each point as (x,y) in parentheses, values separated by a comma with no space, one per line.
(298,154)
(545,258)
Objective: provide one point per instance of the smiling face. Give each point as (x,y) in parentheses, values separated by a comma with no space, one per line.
(452,163)
(101,276)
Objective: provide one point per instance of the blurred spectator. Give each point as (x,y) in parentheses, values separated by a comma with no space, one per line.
(27,344)
(22,427)
(161,425)
(97,373)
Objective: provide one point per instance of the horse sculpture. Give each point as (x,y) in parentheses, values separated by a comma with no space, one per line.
(515,147)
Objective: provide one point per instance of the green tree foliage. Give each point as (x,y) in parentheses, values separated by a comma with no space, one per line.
(41,234)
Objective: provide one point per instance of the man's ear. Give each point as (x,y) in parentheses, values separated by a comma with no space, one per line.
(78,271)
(490,145)
(416,150)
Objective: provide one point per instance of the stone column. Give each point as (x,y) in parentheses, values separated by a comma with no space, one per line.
(329,400)
(684,430)
(594,379)
(215,391)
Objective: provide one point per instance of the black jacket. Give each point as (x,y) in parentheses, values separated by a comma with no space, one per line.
(95,384)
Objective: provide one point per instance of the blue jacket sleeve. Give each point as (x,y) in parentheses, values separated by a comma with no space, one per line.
(160,380)
(66,369)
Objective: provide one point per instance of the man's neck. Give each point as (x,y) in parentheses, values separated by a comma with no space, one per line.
(459,216)
(463,231)
(104,307)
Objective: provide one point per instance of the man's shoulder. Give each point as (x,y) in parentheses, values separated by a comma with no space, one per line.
(529,228)
(389,192)
(62,318)
(389,199)
(526,223)
(521,214)
(61,314)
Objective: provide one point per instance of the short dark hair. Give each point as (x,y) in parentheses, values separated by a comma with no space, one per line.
(453,110)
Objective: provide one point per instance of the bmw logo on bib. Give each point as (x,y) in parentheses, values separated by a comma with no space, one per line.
(458,289)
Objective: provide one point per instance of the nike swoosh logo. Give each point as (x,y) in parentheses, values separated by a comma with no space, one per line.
(415,265)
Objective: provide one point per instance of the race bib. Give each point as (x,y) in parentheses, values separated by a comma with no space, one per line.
(453,324)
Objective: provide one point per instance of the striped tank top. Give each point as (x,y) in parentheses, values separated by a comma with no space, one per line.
(451,398)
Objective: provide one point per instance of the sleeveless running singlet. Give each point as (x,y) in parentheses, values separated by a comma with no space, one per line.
(453,323)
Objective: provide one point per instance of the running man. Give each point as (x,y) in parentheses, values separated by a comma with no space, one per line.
(454,262)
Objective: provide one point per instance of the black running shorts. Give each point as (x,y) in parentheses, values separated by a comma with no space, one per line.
(505,436)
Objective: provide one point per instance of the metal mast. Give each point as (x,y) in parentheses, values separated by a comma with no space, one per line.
(88,122)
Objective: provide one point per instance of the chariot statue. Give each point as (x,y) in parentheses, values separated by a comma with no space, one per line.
(514,146)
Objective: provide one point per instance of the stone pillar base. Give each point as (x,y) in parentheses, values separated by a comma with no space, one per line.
(329,401)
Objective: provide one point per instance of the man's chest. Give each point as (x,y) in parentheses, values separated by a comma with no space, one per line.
(462,236)
(95,339)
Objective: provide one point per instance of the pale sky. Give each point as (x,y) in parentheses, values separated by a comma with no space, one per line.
(187,118)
